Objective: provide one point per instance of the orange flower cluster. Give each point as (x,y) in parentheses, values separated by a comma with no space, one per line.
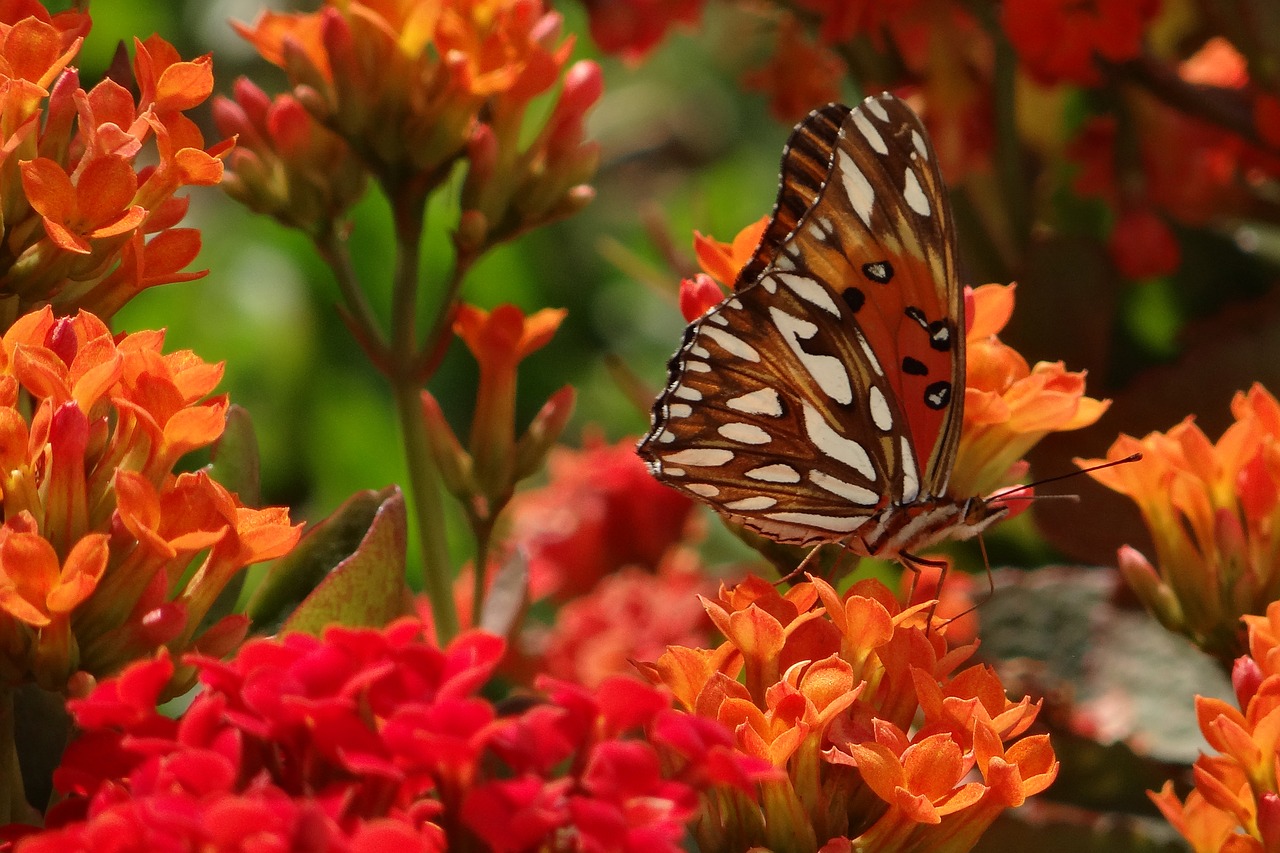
(99,534)
(1213,510)
(1009,406)
(415,86)
(1235,806)
(84,225)
(866,709)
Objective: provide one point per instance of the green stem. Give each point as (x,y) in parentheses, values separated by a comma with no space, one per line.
(334,250)
(424,480)
(428,504)
(479,576)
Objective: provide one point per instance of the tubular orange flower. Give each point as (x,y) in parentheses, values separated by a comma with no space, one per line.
(832,685)
(78,210)
(415,86)
(1212,510)
(98,533)
(1236,802)
(1009,406)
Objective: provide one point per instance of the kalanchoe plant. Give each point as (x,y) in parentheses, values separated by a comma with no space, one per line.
(90,178)
(404,94)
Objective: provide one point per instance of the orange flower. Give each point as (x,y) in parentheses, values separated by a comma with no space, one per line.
(79,209)
(1236,803)
(1009,406)
(449,80)
(832,685)
(98,533)
(1212,510)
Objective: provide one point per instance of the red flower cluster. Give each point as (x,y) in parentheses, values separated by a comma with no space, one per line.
(1060,40)
(600,512)
(371,740)
(85,225)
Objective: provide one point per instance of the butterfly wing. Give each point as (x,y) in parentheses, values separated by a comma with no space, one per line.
(830,384)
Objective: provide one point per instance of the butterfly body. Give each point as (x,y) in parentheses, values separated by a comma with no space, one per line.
(822,400)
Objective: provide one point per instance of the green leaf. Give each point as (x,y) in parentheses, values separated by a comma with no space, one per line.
(236,464)
(348,570)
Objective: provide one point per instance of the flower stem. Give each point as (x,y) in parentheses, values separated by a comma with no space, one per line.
(424,480)
(428,504)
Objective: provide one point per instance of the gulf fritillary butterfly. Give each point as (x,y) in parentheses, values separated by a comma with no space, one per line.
(822,401)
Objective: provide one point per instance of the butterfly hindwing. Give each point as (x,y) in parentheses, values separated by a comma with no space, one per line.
(829,385)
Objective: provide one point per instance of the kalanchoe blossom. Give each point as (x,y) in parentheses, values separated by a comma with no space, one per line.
(1235,805)
(286,164)
(414,87)
(1060,40)
(85,225)
(632,28)
(1009,406)
(600,512)
(866,710)
(379,737)
(99,534)
(1212,511)
(484,475)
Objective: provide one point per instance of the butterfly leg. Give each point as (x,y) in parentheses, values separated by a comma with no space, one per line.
(913,564)
(802,566)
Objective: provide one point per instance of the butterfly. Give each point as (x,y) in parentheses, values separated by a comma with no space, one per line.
(822,400)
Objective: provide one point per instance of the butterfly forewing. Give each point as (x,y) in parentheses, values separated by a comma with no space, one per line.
(830,384)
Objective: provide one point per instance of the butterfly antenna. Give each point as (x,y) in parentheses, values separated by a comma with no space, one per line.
(1013,490)
(991,584)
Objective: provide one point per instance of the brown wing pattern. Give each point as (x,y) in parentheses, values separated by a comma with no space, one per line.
(829,385)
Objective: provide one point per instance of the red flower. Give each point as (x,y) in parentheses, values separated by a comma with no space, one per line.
(800,74)
(631,615)
(632,28)
(1142,246)
(600,512)
(1057,40)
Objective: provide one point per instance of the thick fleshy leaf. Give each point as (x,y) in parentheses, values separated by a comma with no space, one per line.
(347,570)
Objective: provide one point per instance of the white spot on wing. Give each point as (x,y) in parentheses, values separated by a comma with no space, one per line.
(697,366)
(918,141)
(666,436)
(861,196)
(869,352)
(745,433)
(705,489)
(700,352)
(859,495)
(826,370)
(834,523)
(776,473)
(684,392)
(835,445)
(869,132)
(718,319)
(810,291)
(873,106)
(755,503)
(910,475)
(881,416)
(913,195)
(731,343)
(673,472)
(700,457)
(679,410)
(762,402)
